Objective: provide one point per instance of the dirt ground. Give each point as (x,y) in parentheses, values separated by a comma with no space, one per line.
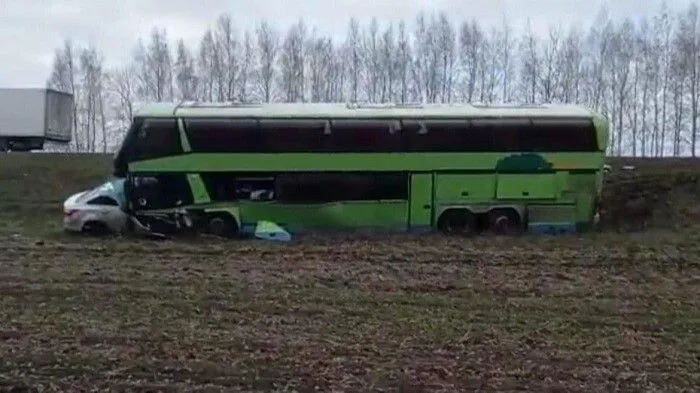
(611,311)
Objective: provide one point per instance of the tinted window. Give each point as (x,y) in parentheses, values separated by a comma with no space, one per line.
(233,186)
(288,135)
(363,136)
(223,135)
(332,187)
(502,134)
(391,185)
(560,135)
(436,135)
(221,186)
(155,138)
(103,200)
(292,136)
(163,191)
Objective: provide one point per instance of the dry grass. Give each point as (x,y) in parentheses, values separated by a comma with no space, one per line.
(596,313)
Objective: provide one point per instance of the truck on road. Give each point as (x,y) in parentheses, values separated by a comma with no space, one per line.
(31,116)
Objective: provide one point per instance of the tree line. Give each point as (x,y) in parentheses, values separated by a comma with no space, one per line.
(644,75)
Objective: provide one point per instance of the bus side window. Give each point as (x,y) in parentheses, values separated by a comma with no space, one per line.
(362,136)
(504,134)
(292,135)
(223,135)
(436,135)
(155,138)
(573,135)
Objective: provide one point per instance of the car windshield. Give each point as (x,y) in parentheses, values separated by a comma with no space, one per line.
(113,189)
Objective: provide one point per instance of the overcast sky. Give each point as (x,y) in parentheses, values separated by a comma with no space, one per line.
(30,30)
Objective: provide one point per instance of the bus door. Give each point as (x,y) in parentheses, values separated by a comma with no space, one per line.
(420,215)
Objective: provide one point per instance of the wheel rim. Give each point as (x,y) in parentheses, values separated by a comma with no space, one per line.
(502,225)
(95,229)
(459,226)
(454,228)
(217,226)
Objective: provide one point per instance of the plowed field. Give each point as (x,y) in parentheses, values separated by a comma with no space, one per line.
(612,311)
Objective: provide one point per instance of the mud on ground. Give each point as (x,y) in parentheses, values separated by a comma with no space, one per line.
(410,313)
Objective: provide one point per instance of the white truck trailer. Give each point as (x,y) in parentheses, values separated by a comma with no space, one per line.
(31,116)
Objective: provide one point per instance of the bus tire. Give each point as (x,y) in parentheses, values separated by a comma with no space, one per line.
(457,222)
(222,225)
(505,221)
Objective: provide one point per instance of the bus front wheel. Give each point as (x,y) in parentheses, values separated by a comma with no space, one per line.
(457,222)
(222,225)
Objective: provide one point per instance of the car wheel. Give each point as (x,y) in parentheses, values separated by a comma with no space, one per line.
(95,228)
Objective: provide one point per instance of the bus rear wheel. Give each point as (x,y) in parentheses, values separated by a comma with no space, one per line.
(222,225)
(505,222)
(457,222)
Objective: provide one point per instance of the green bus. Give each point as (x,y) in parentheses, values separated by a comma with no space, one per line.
(462,169)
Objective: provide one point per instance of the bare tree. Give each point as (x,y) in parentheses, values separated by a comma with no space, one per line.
(91,80)
(471,53)
(549,76)
(505,45)
(644,75)
(489,68)
(123,92)
(387,64)
(666,26)
(154,65)
(63,77)
(292,63)
(317,66)
(403,61)
(268,47)
(531,65)
(644,72)
(227,58)
(570,64)
(353,55)
(185,73)
(371,56)
(623,55)
(337,73)
(597,48)
(246,70)
(426,59)
(687,65)
(207,66)
(660,41)
(448,56)
(680,79)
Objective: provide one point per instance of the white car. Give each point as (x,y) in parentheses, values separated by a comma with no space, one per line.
(98,211)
